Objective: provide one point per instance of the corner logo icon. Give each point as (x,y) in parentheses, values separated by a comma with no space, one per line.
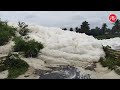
(112,17)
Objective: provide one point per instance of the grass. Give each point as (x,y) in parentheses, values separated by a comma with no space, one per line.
(6,32)
(111,60)
(31,48)
(14,65)
(111,63)
(15,72)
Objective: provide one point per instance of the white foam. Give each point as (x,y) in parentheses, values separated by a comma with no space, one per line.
(65,47)
(66,44)
(113,42)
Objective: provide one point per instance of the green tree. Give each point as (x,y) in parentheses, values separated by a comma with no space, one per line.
(71,29)
(116,27)
(104,28)
(76,29)
(64,29)
(95,31)
(85,27)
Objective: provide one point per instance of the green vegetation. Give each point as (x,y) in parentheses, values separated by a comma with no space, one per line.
(29,48)
(100,33)
(20,44)
(14,65)
(85,27)
(6,32)
(23,28)
(33,48)
(100,37)
(111,63)
(111,60)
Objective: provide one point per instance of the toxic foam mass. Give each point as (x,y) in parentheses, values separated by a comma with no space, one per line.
(65,46)
(113,42)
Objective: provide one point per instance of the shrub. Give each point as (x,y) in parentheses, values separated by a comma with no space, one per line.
(32,48)
(23,28)
(111,60)
(4,37)
(6,32)
(111,63)
(20,44)
(15,66)
(29,48)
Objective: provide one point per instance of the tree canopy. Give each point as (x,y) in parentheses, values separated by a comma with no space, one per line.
(97,31)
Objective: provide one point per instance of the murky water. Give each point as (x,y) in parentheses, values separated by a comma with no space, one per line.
(62,72)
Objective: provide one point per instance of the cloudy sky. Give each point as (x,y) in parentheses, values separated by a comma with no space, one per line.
(60,18)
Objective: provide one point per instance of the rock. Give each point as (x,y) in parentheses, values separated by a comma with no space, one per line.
(26,75)
(4,74)
(91,67)
(117,70)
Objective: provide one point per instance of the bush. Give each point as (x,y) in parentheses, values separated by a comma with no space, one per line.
(4,37)
(32,48)
(111,63)
(6,32)
(29,48)
(111,60)
(15,66)
(20,44)
(23,28)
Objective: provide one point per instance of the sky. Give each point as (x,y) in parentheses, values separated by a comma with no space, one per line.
(60,18)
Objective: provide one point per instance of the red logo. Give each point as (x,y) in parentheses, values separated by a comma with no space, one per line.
(113,18)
